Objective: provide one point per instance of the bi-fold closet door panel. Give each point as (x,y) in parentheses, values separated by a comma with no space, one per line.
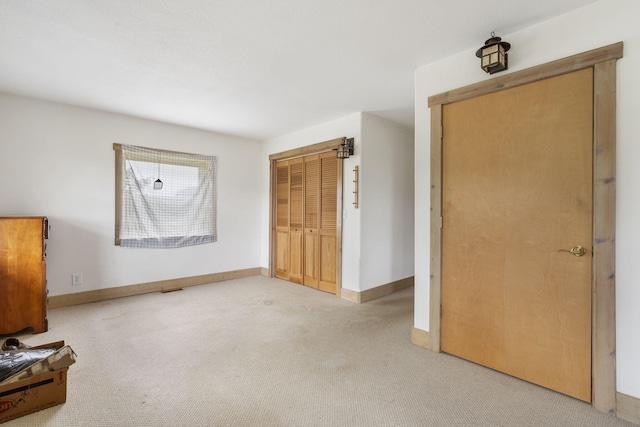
(296,220)
(282,220)
(306,220)
(327,232)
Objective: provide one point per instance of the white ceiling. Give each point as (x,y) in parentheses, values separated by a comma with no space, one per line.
(253,68)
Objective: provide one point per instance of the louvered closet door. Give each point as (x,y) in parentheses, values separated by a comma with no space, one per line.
(306,220)
(296,212)
(328,222)
(282,220)
(311,219)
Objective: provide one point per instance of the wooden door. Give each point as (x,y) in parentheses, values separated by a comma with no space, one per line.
(307,219)
(311,219)
(289,220)
(296,212)
(282,220)
(517,195)
(328,210)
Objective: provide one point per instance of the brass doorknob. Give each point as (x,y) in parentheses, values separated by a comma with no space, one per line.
(576,250)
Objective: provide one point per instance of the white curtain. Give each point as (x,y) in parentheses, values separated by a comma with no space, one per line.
(181,213)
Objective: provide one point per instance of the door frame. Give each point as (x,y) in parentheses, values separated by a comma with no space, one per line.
(603,62)
(321,147)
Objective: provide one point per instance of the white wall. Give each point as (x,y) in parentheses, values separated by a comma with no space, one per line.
(57,160)
(349,127)
(386,202)
(599,24)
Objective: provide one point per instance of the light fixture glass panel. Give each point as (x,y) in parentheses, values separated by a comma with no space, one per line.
(343,151)
(491,49)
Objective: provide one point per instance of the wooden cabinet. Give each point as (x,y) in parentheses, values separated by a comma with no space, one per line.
(23,274)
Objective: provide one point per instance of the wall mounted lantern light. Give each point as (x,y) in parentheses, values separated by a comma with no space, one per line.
(493,55)
(345,149)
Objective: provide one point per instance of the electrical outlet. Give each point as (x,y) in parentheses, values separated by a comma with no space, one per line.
(76,279)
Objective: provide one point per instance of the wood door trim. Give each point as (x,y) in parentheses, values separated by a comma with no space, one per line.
(603,62)
(169,285)
(540,72)
(291,154)
(603,329)
(435,297)
(308,150)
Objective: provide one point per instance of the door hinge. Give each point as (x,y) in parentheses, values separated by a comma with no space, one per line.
(441,132)
(441,222)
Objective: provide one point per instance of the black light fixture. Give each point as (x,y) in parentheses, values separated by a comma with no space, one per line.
(493,55)
(345,149)
(157,185)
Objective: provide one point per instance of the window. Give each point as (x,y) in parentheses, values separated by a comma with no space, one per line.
(164,199)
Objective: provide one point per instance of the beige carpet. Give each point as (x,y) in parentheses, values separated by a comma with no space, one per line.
(264,352)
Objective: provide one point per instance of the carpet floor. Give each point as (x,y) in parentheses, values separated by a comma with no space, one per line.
(265,352)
